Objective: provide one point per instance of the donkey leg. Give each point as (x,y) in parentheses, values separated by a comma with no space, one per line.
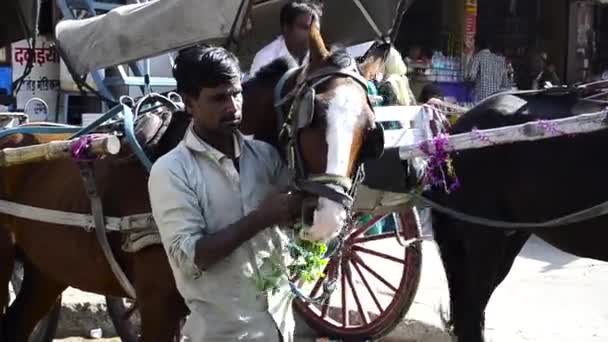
(161,315)
(512,246)
(161,306)
(7,261)
(453,257)
(479,261)
(37,295)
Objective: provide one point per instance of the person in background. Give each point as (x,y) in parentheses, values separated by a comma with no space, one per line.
(527,72)
(395,87)
(488,71)
(548,77)
(295,19)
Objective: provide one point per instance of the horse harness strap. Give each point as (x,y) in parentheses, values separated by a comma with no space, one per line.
(300,115)
(117,224)
(326,191)
(86,171)
(511,227)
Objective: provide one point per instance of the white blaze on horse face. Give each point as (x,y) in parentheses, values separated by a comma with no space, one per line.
(343,114)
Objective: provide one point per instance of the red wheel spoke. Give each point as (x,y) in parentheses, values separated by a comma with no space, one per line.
(357,259)
(378,254)
(373,237)
(369,288)
(328,271)
(369,225)
(325,307)
(354,315)
(362,312)
(344,303)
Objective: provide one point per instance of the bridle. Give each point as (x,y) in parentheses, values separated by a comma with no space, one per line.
(337,188)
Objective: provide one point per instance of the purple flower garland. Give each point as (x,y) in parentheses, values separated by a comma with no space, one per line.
(482,136)
(551,127)
(440,171)
(80,149)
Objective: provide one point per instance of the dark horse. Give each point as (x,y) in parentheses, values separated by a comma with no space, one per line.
(520,182)
(55,256)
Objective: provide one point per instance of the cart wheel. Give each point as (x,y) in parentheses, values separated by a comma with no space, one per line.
(46,328)
(377,280)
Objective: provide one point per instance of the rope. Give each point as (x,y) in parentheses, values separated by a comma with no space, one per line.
(579,216)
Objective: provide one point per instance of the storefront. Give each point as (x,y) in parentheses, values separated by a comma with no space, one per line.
(437,39)
(521,30)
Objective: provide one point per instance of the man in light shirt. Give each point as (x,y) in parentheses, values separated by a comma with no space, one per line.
(215,200)
(295,18)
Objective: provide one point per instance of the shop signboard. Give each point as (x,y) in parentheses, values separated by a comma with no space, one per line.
(43,80)
(470,27)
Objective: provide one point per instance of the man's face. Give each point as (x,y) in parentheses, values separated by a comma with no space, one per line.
(217,110)
(296,35)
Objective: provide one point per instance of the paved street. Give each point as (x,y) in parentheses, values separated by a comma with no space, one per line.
(548,296)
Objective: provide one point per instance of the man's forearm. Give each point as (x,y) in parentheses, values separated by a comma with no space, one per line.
(212,248)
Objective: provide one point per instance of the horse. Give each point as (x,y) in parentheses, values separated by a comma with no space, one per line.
(519,182)
(331,141)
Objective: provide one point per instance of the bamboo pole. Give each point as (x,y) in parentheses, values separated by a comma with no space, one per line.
(60,149)
(530,131)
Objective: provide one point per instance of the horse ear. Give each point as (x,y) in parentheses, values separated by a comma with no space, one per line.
(318,51)
(373,60)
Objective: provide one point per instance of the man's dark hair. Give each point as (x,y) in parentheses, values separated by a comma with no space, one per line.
(483,43)
(204,66)
(293,9)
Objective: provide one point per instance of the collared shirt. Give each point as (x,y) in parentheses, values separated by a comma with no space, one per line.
(196,190)
(276,49)
(489,72)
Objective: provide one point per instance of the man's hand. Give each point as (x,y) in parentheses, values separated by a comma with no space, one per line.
(280,207)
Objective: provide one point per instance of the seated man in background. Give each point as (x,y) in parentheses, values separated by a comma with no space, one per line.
(296,18)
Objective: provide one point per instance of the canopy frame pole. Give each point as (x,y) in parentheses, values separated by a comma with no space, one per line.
(368,17)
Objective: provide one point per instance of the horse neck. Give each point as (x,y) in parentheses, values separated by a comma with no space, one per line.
(259,114)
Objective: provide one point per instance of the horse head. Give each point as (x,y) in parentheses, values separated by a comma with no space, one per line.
(329,130)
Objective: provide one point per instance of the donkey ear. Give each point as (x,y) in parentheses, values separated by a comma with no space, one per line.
(318,51)
(373,60)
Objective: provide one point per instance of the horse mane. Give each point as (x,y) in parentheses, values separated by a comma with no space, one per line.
(270,73)
(339,57)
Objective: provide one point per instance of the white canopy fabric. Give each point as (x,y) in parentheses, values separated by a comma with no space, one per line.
(133,32)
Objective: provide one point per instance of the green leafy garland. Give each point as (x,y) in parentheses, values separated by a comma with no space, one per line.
(307,264)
